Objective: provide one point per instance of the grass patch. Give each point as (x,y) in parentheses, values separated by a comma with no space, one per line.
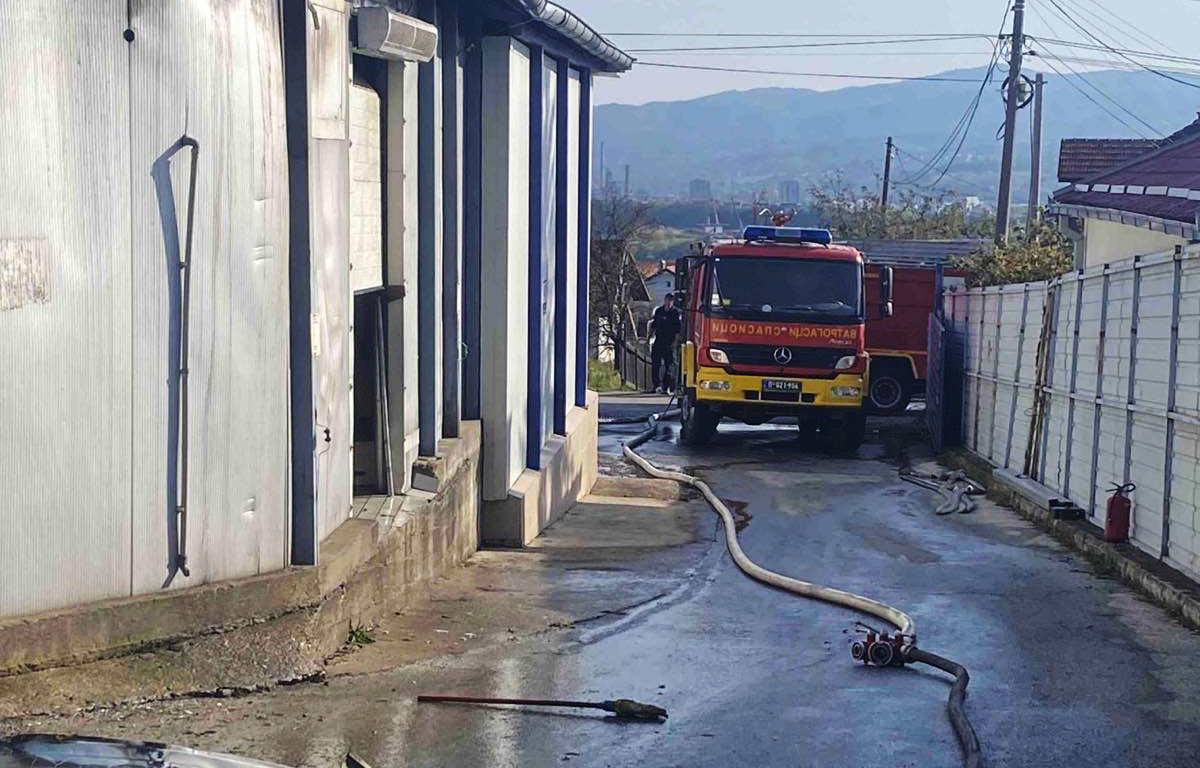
(663,243)
(360,635)
(603,377)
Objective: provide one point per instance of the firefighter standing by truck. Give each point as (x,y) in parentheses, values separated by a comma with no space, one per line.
(666,325)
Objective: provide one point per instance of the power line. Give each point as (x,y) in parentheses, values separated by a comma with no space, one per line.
(795,35)
(1099,41)
(834,53)
(1119,66)
(1095,47)
(1105,109)
(945,146)
(841,75)
(901,165)
(939,36)
(1143,37)
(783,46)
(963,127)
(1048,51)
(903,152)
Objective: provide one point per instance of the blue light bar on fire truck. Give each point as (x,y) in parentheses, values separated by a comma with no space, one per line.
(760,233)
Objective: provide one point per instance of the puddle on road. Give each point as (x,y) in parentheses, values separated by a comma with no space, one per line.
(741,513)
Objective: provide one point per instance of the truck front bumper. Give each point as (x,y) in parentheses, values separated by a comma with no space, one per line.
(717,387)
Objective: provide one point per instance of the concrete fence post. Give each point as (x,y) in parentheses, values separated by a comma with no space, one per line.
(1131,389)
(978,368)
(968,382)
(1012,410)
(1098,400)
(996,374)
(1079,287)
(1048,386)
(1172,372)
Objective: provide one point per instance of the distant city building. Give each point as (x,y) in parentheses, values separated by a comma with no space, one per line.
(971,202)
(789,191)
(700,189)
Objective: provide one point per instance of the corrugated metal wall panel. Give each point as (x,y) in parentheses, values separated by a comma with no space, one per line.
(366,189)
(572,171)
(329,191)
(64,385)
(329,173)
(407,104)
(549,226)
(216,74)
(505,262)
(98,119)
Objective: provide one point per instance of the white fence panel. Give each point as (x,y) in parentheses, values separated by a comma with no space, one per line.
(985,415)
(1121,390)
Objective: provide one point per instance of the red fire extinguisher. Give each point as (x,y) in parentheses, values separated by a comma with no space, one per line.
(1116,525)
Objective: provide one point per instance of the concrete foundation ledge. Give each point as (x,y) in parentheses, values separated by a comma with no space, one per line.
(539,497)
(1164,585)
(247,632)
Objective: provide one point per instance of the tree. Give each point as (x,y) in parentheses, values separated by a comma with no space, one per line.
(618,224)
(857,215)
(1040,253)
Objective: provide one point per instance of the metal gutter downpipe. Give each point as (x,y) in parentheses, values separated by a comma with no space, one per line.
(179,282)
(577,30)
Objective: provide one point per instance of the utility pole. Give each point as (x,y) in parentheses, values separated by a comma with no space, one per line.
(1035,165)
(887,175)
(1010,121)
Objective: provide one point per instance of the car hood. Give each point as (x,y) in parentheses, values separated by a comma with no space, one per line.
(49,751)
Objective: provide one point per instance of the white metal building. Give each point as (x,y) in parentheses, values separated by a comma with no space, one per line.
(381,210)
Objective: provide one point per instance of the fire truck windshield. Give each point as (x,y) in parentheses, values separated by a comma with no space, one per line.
(758,285)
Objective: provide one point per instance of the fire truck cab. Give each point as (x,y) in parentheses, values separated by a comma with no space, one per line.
(773,327)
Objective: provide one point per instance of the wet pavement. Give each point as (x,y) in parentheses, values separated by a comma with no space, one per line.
(1068,667)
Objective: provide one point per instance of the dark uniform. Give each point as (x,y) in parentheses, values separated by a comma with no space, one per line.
(666,325)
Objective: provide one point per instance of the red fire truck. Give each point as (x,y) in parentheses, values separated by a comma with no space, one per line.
(898,343)
(774,328)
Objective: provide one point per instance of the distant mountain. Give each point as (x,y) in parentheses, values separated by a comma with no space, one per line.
(743,140)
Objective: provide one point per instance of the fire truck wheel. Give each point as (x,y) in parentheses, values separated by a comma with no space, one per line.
(698,424)
(890,388)
(848,434)
(806,428)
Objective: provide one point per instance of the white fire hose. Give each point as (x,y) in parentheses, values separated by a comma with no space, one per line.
(902,621)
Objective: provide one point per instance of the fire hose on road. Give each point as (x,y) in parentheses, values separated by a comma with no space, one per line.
(953,486)
(903,644)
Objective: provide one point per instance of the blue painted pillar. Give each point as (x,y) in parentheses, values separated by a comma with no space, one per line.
(585,235)
(429,244)
(295,20)
(533,443)
(451,191)
(472,212)
(561,192)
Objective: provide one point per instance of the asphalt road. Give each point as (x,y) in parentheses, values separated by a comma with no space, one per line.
(1068,667)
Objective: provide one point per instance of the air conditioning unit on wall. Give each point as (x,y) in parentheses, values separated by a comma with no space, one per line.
(390,35)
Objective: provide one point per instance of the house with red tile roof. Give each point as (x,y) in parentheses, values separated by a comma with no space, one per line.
(1147,204)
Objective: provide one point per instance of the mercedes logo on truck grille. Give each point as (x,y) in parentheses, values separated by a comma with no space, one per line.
(783,355)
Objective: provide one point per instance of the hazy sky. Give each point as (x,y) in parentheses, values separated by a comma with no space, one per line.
(1161,25)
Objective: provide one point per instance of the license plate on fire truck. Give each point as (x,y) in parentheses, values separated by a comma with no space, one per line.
(780,385)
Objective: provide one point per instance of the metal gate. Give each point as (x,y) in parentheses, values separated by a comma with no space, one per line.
(633,368)
(944,380)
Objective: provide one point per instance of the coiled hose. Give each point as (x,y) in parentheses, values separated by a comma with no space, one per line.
(954,487)
(955,707)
